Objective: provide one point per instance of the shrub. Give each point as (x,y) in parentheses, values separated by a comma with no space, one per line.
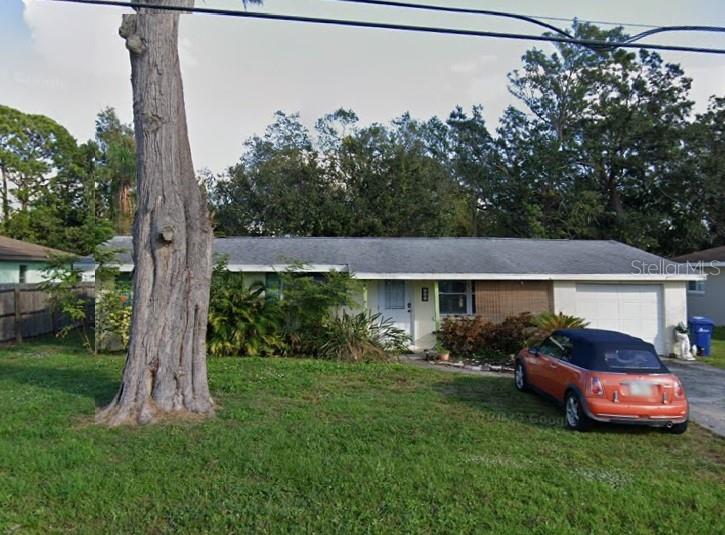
(548,322)
(242,321)
(308,302)
(511,334)
(474,337)
(62,280)
(113,316)
(361,337)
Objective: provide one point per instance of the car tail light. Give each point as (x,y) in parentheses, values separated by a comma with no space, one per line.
(596,388)
(679,391)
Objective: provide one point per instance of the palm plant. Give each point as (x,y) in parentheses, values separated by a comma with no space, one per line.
(548,322)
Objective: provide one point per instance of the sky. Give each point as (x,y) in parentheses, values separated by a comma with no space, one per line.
(68,62)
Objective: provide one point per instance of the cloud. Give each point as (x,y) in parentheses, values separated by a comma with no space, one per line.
(238,72)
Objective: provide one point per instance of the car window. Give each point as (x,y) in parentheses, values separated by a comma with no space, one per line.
(565,346)
(551,348)
(631,359)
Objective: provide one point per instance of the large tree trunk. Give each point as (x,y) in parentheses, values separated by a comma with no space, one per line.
(165,373)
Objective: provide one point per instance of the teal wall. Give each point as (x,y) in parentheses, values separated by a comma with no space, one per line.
(10,272)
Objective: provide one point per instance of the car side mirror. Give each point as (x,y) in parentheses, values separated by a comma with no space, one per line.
(534,351)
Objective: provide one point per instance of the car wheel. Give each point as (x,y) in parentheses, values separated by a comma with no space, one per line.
(575,416)
(520,378)
(678,429)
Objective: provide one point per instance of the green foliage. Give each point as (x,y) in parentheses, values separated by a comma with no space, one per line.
(307,317)
(48,190)
(113,315)
(62,282)
(361,337)
(242,321)
(601,145)
(548,322)
(345,181)
(308,302)
(116,169)
(474,337)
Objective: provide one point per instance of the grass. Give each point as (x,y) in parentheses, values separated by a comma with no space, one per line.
(717,352)
(311,446)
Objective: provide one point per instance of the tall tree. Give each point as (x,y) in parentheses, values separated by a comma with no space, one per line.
(165,372)
(343,180)
(117,167)
(48,184)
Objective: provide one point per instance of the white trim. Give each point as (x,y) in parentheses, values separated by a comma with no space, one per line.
(313,268)
(615,277)
(269,268)
(274,268)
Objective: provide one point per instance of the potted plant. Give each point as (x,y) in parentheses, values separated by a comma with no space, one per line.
(443,353)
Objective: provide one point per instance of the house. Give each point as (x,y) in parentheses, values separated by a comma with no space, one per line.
(23,262)
(707,297)
(419,281)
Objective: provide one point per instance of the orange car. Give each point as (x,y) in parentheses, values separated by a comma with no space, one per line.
(604,376)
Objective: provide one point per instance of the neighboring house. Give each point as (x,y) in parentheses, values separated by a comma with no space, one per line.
(707,297)
(23,262)
(419,281)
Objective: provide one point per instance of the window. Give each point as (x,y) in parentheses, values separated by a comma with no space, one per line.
(23,274)
(565,346)
(696,287)
(272,285)
(552,348)
(455,297)
(394,295)
(631,359)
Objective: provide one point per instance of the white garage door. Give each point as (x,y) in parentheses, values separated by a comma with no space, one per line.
(631,309)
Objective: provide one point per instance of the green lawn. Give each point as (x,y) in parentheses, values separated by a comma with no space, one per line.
(717,354)
(309,446)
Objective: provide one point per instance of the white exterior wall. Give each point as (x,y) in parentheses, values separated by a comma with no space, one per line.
(10,272)
(712,302)
(253,278)
(674,303)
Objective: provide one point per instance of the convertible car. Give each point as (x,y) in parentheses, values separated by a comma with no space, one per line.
(604,376)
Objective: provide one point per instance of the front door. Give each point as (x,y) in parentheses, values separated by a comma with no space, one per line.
(395,303)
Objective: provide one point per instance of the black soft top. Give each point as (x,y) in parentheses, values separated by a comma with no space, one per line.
(590,345)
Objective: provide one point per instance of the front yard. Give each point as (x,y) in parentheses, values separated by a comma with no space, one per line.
(311,446)
(717,356)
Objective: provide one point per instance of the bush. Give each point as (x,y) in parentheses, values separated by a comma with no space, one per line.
(474,337)
(242,321)
(308,303)
(548,322)
(361,337)
(113,316)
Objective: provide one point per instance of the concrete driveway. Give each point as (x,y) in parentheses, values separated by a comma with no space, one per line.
(705,388)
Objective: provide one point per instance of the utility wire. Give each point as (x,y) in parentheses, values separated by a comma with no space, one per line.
(525,18)
(594,44)
(470,11)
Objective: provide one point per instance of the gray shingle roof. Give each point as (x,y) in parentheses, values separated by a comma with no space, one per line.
(716,254)
(439,255)
(17,250)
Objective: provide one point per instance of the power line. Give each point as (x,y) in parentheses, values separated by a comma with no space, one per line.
(466,10)
(525,18)
(595,44)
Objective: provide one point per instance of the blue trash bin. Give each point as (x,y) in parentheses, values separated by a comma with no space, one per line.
(701,330)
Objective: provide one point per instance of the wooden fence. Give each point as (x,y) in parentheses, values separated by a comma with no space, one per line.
(25,311)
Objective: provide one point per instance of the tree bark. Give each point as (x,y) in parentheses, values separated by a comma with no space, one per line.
(165,372)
